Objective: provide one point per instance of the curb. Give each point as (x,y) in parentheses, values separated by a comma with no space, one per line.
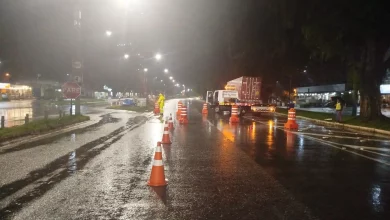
(343,126)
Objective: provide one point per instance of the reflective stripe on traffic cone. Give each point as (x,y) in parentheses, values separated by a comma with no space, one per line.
(165,138)
(179,106)
(183,116)
(170,122)
(205,111)
(157,176)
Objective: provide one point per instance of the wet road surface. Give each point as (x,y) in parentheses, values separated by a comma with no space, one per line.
(338,174)
(254,170)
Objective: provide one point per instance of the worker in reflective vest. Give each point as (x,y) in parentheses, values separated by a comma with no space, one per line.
(338,111)
(160,101)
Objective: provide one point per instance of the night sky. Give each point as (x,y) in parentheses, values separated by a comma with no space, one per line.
(194,37)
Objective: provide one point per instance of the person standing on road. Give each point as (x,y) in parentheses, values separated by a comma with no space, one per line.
(160,101)
(338,111)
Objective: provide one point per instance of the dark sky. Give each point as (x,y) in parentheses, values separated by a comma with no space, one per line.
(189,34)
(37,37)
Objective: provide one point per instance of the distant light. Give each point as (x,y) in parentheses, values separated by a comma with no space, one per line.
(108,33)
(173,80)
(126,56)
(7,74)
(59,90)
(171,77)
(304,71)
(67,74)
(166,71)
(146,70)
(139,54)
(161,80)
(158,56)
(188,90)
(184,85)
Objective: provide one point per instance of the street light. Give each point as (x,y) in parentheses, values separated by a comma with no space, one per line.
(126,56)
(7,74)
(166,71)
(146,70)
(158,56)
(170,77)
(108,33)
(161,80)
(173,80)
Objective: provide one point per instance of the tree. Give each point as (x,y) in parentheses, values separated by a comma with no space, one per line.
(356,32)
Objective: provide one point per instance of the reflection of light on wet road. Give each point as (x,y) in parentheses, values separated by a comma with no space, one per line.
(154,131)
(376,198)
(72,164)
(270,134)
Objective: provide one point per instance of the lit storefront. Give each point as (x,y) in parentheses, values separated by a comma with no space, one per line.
(385,91)
(12,92)
(319,95)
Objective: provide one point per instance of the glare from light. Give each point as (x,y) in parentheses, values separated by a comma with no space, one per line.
(166,71)
(7,74)
(126,56)
(188,90)
(173,80)
(161,80)
(158,56)
(184,85)
(146,70)
(170,77)
(108,33)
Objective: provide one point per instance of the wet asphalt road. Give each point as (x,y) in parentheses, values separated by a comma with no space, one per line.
(254,170)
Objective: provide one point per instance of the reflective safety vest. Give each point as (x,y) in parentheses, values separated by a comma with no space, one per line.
(338,106)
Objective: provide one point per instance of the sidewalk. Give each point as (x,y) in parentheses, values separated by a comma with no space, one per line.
(210,178)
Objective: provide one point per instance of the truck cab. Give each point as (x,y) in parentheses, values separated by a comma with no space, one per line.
(221,100)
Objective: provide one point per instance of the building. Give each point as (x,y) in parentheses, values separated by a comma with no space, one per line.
(317,96)
(15,91)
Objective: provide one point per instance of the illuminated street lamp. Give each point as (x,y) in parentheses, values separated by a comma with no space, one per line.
(173,80)
(108,33)
(170,77)
(146,70)
(126,56)
(7,74)
(166,71)
(158,56)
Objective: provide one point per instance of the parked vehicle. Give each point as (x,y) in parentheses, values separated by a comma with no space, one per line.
(243,92)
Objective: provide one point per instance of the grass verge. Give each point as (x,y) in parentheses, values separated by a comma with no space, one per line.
(40,126)
(383,123)
(133,108)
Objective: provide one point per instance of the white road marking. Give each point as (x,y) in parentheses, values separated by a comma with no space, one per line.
(333,144)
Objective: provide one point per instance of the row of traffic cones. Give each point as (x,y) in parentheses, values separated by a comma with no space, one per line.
(157,176)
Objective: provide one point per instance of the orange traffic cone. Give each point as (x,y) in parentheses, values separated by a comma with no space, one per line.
(170,122)
(291,123)
(205,111)
(165,138)
(179,105)
(157,177)
(183,116)
(156,108)
(234,116)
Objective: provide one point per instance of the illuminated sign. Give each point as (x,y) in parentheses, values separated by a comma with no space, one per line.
(4,85)
(385,89)
(230,87)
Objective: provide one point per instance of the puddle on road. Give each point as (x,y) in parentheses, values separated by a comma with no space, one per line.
(61,168)
(105,119)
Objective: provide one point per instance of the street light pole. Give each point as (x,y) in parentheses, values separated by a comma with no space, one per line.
(77,62)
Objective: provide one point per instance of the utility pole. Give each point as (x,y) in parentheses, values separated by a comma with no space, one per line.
(77,63)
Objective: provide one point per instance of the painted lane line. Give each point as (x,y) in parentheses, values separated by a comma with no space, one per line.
(334,145)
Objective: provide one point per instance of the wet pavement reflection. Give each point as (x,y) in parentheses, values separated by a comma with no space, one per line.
(338,174)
